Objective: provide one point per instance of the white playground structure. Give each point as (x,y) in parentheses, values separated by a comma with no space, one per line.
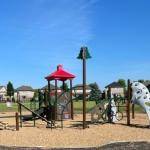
(141,96)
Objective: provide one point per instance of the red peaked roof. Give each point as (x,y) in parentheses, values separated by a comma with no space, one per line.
(60,74)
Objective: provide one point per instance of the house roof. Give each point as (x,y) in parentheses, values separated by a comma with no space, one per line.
(80,87)
(24,88)
(2,87)
(114,85)
(60,74)
(51,86)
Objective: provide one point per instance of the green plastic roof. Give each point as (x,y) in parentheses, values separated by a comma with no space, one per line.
(84,53)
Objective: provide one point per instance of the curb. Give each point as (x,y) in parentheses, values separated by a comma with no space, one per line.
(143,145)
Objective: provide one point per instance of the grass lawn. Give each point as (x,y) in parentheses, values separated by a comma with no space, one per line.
(14,108)
(77,107)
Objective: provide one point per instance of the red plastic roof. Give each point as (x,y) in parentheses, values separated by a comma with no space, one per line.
(60,74)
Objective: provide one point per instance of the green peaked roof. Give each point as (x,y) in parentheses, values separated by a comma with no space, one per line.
(83,55)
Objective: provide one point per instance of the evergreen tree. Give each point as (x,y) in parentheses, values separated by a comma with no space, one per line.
(141,81)
(10,89)
(95,93)
(122,82)
(64,87)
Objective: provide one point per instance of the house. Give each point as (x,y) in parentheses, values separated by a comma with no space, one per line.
(52,87)
(24,93)
(78,90)
(3,93)
(114,88)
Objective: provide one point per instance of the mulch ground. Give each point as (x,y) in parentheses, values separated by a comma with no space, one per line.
(73,136)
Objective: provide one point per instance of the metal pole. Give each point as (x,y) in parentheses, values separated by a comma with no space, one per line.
(128,103)
(84,90)
(72,113)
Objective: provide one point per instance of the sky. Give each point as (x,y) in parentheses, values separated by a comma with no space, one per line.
(37,35)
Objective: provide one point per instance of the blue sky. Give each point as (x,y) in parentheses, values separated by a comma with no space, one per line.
(36,35)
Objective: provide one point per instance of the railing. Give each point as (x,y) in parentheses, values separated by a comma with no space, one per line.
(22,105)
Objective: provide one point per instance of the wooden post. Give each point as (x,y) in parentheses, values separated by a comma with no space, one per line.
(17,121)
(49,92)
(128,103)
(84,54)
(133,106)
(34,121)
(64,86)
(56,96)
(72,112)
(20,111)
(39,97)
(109,93)
(109,111)
(18,100)
(133,116)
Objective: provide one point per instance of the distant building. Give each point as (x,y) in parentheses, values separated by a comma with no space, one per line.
(3,93)
(78,90)
(114,89)
(52,87)
(24,93)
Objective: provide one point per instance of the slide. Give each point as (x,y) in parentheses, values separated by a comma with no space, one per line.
(31,117)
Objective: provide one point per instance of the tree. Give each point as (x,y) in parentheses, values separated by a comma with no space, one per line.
(141,80)
(64,87)
(10,89)
(35,96)
(122,82)
(95,93)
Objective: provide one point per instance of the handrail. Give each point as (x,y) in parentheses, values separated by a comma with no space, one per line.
(34,113)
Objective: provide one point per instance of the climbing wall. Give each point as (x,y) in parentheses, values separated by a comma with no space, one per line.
(141,96)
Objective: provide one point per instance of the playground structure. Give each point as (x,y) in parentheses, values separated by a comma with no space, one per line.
(141,96)
(106,111)
(109,111)
(53,105)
